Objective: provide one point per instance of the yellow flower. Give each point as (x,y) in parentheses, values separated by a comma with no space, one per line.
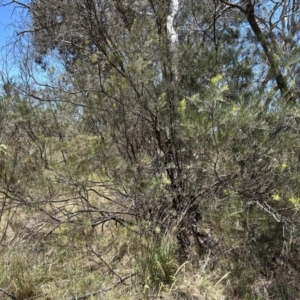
(182,105)
(216,79)
(224,88)
(295,201)
(235,108)
(283,166)
(276,197)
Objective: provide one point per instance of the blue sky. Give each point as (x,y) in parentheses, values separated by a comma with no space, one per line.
(6,18)
(11,18)
(6,33)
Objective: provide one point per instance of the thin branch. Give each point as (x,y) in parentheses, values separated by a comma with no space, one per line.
(23,5)
(86,296)
(8,294)
(111,270)
(233,5)
(268,210)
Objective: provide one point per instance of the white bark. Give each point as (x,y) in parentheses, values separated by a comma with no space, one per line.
(170,22)
(284,19)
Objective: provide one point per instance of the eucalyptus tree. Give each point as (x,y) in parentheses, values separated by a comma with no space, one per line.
(275,25)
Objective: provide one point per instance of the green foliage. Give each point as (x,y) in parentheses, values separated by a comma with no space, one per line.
(191,144)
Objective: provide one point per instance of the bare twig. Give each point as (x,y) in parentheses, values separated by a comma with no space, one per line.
(269,210)
(22,5)
(86,296)
(105,263)
(234,5)
(8,294)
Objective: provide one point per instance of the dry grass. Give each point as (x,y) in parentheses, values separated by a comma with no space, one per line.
(71,262)
(43,259)
(65,265)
